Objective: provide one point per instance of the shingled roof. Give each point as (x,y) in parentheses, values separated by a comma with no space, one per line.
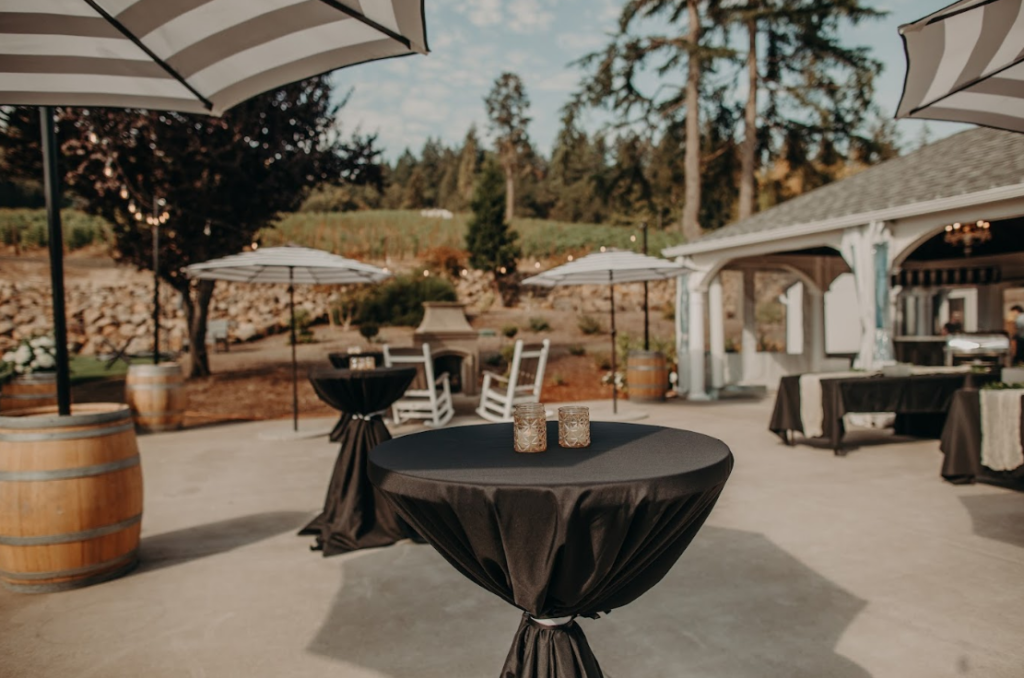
(968,162)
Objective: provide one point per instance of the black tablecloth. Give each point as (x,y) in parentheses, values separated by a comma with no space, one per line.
(341,361)
(961,444)
(560,533)
(920,402)
(355,516)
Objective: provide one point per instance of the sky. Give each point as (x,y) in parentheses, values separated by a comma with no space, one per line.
(472,42)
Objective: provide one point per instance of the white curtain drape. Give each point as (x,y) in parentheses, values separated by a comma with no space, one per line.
(857,248)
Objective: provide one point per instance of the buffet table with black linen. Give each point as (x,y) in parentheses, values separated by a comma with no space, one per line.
(920,402)
(355,516)
(558,534)
(961,445)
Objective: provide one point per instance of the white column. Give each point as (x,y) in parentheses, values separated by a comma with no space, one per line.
(749,341)
(716,330)
(696,347)
(814,319)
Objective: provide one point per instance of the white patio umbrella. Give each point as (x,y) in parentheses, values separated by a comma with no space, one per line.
(289,264)
(965,63)
(609,268)
(181,55)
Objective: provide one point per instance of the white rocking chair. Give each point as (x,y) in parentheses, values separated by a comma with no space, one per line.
(499,395)
(429,398)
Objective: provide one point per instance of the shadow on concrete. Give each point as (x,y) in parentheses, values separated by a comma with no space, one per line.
(997,516)
(735,605)
(191,543)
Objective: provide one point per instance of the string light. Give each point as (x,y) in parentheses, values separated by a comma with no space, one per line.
(124,193)
(537,265)
(426,273)
(602,248)
(632,238)
(570,257)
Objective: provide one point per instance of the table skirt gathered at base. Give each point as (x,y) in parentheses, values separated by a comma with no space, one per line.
(539,651)
(356,515)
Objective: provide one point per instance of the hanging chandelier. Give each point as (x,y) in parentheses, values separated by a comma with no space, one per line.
(968,235)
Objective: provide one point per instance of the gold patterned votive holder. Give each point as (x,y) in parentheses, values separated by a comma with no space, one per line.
(574,426)
(530,428)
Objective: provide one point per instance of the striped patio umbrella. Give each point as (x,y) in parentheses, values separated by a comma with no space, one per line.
(609,268)
(193,56)
(964,64)
(290,264)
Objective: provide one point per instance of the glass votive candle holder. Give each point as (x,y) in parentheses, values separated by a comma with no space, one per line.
(362,362)
(530,428)
(574,426)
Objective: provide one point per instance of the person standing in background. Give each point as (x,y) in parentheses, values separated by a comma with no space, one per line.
(1018,323)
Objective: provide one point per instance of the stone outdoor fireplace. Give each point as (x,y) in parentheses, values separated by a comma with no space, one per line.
(453,344)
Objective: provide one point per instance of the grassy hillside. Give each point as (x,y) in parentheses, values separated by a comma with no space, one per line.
(401,234)
(363,235)
(27,228)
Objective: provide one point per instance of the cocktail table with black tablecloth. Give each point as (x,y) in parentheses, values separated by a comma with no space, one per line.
(920,402)
(355,516)
(559,534)
(341,361)
(961,444)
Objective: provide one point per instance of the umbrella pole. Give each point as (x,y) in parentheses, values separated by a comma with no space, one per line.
(295,366)
(615,374)
(647,316)
(156,287)
(51,182)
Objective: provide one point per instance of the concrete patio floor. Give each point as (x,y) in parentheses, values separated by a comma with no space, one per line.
(811,565)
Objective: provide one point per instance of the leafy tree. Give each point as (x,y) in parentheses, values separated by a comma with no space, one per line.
(223,179)
(491,244)
(507,106)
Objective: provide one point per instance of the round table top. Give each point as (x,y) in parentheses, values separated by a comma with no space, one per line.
(483,455)
(361,391)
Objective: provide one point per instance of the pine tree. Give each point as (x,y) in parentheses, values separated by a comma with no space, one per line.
(507,105)
(469,166)
(491,244)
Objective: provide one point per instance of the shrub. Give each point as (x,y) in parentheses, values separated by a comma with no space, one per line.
(369,330)
(507,353)
(588,324)
(539,324)
(558,380)
(400,300)
(303,321)
(445,259)
(603,361)
(510,331)
(492,359)
(577,350)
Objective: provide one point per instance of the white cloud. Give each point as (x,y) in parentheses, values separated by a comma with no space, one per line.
(563,81)
(527,16)
(579,43)
(482,12)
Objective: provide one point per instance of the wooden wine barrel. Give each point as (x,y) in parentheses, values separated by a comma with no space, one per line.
(647,376)
(157,396)
(29,390)
(70,497)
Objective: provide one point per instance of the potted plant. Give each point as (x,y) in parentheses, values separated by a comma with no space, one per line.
(29,375)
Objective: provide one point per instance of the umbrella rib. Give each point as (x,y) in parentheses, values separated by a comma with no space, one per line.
(362,18)
(157,60)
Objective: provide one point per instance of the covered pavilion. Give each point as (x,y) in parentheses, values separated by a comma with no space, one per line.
(879,235)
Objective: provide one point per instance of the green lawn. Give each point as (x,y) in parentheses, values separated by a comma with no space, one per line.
(404,233)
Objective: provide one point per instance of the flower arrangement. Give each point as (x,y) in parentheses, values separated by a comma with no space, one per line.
(32,355)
